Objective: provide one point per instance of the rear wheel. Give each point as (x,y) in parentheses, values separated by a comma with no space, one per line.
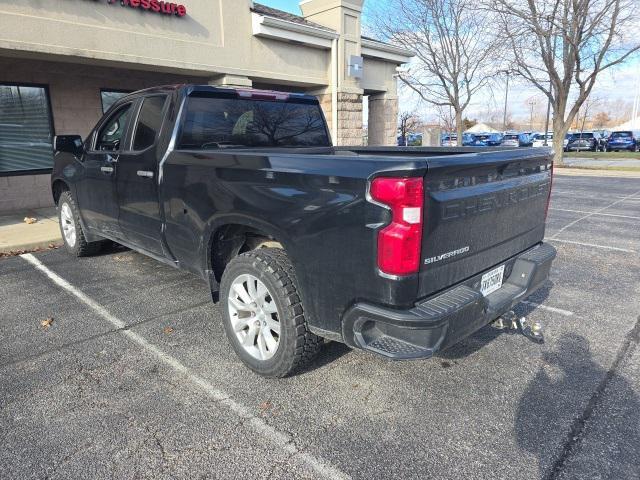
(71,229)
(263,313)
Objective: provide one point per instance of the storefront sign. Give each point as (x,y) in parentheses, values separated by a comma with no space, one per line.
(155,6)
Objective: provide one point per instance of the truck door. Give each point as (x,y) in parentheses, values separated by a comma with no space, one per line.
(136,180)
(97,188)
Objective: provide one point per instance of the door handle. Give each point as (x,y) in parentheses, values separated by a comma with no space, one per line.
(145,173)
(106,169)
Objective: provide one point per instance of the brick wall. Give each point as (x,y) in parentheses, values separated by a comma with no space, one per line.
(349,117)
(25,191)
(383,120)
(350,131)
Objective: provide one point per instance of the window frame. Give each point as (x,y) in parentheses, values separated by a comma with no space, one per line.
(105,118)
(114,90)
(134,126)
(35,171)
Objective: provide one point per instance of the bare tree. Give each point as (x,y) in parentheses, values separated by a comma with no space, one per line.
(601,120)
(561,46)
(453,46)
(408,122)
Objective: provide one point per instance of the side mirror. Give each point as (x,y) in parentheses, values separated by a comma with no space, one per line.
(68,143)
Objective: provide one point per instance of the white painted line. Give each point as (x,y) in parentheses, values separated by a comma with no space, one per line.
(282,440)
(606,247)
(566,313)
(595,213)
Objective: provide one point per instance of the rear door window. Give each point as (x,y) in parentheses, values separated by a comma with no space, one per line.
(149,122)
(215,122)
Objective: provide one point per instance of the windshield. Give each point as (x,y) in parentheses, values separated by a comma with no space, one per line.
(511,137)
(214,122)
(582,135)
(621,135)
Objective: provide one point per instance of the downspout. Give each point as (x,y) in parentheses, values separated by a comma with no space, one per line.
(334,90)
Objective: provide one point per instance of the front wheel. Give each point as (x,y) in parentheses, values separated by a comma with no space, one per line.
(263,314)
(71,229)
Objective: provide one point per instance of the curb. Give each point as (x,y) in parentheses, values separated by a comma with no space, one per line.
(17,249)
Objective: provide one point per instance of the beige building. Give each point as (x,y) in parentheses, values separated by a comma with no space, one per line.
(62,63)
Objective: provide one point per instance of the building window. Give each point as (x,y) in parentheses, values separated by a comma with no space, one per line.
(109,97)
(26,129)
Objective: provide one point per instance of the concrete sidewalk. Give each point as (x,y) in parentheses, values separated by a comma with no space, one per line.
(17,235)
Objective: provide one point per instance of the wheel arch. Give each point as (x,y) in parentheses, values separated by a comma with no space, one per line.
(57,187)
(232,236)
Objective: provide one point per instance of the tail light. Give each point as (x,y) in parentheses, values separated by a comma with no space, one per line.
(546,208)
(399,243)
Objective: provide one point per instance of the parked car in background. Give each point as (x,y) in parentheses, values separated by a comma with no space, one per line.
(603,137)
(449,140)
(623,140)
(490,139)
(511,140)
(538,139)
(411,140)
(583,141)
(567,139)
(525,140)
(471,140)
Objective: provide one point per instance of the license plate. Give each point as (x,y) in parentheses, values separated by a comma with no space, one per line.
(491,281)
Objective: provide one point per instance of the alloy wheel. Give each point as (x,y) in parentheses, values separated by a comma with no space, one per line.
(68,224)
(254,316)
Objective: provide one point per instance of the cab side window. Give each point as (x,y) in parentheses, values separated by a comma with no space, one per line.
(111,134)
(149,122)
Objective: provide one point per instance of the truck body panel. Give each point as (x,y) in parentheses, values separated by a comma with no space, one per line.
(177,200)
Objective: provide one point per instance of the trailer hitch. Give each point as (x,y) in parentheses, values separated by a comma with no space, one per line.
(514,324)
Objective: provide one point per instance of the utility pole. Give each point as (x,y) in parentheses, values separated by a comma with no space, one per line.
(636,108)
(532,103)
(506,102)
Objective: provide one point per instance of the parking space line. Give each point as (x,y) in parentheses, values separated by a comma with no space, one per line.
(282,440)
(595,213)
(606,247)
(560,311)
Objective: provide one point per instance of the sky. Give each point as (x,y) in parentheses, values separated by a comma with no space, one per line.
(622,83)
(286,5)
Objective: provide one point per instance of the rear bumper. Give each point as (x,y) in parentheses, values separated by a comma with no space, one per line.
(440,321)
(624,146)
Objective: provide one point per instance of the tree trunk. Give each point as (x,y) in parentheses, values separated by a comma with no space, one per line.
(459,126)
(560,129)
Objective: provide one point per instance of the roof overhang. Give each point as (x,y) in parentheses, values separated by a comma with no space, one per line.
(283,30)
(385,51)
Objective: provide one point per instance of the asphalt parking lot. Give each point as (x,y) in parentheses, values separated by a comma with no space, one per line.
(134,377)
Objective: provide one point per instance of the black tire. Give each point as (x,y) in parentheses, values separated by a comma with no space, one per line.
(80,248)
(297,345)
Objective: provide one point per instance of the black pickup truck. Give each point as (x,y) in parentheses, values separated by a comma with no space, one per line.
(398,251)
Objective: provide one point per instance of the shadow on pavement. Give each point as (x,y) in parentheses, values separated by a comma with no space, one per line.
(550,401)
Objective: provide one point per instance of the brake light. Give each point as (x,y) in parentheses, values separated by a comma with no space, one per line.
(261,94)
(546,208)
(399,243)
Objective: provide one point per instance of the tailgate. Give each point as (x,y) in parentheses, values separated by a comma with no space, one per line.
(480,211)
